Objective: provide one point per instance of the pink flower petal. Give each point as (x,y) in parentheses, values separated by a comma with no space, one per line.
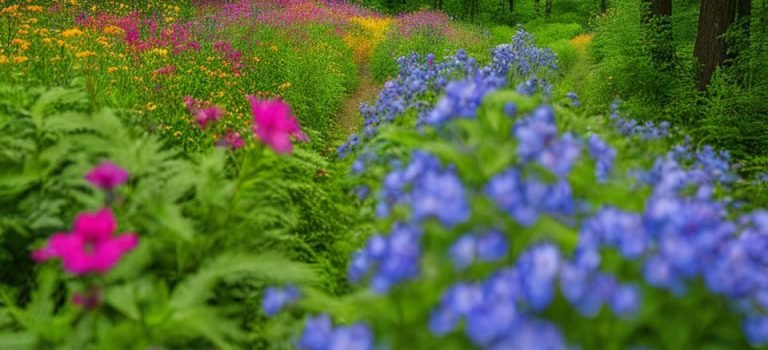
(97,226)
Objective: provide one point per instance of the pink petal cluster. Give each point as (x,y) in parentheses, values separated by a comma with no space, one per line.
(274,124)
(233,140)
(90,247)
(107,176)
(207,115)
(204,115)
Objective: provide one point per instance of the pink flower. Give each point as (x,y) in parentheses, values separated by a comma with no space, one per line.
(233,140)
(167,70)
(90,247)
(191,103)
(107,176)
(206,115)
(274,124)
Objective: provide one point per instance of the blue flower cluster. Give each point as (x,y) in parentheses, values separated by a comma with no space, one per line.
(631,127)
(430,190)
(604,156)
(489,246)
(389,260)
(538,140)
(276,298)
(525,200)
(319,334)
(574,99)
(460,77)
(499,313)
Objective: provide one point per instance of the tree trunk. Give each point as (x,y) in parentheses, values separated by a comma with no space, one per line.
(537,7)
(511,5)
(548,8)
(710,50)
(603,6)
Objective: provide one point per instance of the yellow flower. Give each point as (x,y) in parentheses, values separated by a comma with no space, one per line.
(159,52)
(256,59)
(21,43)
(46,41)
(20,59)
(177,133)
(103,41)
(70,33)
(285,85)
(111,69)
(34,8)
(169,19)
(151,106)
(9,10)
(113,30)
(3,59)
(85,54)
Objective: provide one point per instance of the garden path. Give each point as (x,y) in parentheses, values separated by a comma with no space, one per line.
(349,118)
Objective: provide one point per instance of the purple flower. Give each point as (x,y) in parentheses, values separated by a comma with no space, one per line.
(107,176)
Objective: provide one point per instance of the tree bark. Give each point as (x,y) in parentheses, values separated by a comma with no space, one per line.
(511,5)
(710,49)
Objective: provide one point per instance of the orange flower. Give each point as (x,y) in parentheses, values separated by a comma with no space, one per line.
(34,8)
(20,59)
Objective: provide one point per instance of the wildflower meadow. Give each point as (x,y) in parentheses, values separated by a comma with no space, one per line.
(380,174)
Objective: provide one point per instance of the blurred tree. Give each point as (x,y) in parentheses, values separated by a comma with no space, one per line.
(715,18)
(657,17)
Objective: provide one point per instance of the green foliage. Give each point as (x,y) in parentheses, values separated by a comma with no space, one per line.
(204,219)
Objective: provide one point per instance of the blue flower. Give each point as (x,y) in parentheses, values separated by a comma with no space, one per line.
(319,334)
(625,300)
(539,268)
(603,155)
(463,251)
(756,329)
(276,298)
(440,195)
(492,246)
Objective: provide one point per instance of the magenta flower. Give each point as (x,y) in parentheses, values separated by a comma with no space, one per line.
(107,176)
(90,247)
(233,140)
(274,124)
(207,115)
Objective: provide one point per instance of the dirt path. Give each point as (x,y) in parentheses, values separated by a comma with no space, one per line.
(367,89)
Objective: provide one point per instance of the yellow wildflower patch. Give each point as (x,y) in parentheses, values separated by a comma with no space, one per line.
(581,41)
(71,33)
(85,54)
(113,30)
